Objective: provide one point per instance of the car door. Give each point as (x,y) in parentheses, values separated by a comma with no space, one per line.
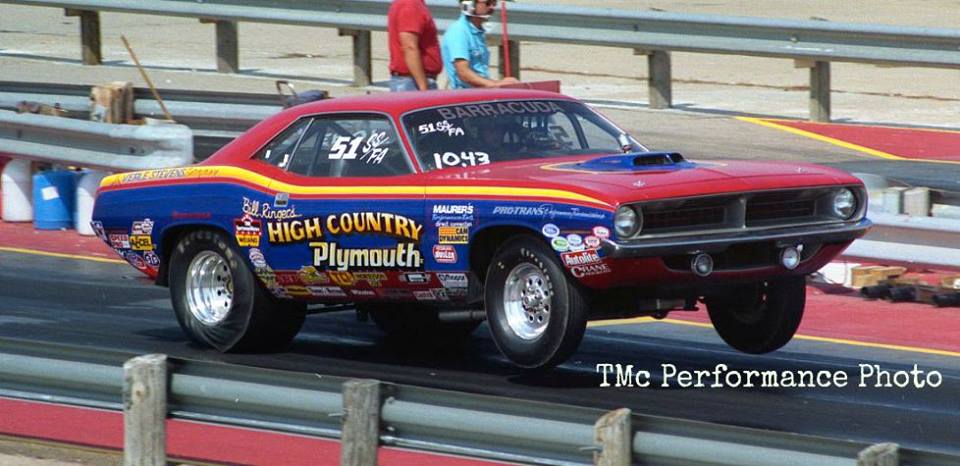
(349,217)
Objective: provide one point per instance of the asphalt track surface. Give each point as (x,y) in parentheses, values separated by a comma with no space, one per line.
(107,305)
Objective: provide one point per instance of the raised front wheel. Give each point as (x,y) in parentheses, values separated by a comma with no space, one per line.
(761,317)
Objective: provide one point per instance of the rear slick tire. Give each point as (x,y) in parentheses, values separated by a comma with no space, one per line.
(218,301)
(759,318)
(536,314)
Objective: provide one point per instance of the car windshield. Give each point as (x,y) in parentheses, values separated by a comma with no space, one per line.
(487,132)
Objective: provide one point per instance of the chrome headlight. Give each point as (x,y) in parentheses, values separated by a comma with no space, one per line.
(627,222)
(844,204)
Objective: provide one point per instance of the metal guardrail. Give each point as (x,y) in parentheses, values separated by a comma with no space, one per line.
(813,43)
(95,145)
(413,417)
(905,239)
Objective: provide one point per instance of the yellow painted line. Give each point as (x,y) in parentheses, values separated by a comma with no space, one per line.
(61,255)
(840,341)
(838,142)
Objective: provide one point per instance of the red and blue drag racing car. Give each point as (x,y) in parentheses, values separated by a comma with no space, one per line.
(432,211)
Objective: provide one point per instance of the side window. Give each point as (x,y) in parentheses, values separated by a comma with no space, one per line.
(279,151)
(305,156)
(362,146)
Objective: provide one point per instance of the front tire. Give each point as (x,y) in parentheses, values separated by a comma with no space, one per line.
(536,315)
(218,301)
(759,318)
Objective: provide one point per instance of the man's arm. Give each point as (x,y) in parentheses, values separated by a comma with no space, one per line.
(467,75)
(410,44)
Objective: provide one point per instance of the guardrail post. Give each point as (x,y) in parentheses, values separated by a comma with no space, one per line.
(514,48)
(881,454)
(820,91)
(613,432)
(362,66)
(361,423)
(145,411)
(659,80)
(228,49)
(89,35)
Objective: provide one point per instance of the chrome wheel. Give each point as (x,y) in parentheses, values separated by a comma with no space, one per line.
(209,288)
(526,299)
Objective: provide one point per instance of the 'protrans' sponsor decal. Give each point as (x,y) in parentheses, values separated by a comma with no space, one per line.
(547,211)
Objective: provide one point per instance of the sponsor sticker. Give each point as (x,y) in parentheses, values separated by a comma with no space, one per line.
(120,240)
(327,291)
(247,230)
(341,278)
(591,241)
(601,232)
(311,276)
(152,259)
(572,259)
(550,230)
(281,199)
(363,293)
(574,239)
(288,278)
(141,243)
(589,270)
(453,235)
(440,294)
(98,229)
(257,259)
(560,244)
(415,277)
(142,227)
(297,290)
(135,260)
(444,254)
(453,280)
(373,279)
(425,295)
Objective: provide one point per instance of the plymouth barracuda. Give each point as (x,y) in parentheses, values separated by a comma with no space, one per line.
(431,212)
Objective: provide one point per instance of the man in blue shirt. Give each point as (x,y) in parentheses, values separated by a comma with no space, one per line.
(466,59)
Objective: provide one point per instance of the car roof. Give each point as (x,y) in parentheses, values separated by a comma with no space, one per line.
(401,102)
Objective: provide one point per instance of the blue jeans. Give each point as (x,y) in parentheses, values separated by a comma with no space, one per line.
(407,83)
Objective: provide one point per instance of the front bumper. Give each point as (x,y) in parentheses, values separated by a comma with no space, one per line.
(714,243)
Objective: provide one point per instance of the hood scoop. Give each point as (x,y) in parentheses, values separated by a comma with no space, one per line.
(634,162)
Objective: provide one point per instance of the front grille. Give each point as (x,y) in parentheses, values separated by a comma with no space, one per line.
(683,217)
(737,212)
(767,207)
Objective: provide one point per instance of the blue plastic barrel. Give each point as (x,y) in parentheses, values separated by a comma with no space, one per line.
(53,199)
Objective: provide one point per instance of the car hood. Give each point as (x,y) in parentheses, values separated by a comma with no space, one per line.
(616,179)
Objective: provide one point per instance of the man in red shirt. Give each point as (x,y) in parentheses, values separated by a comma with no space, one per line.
(414,47)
